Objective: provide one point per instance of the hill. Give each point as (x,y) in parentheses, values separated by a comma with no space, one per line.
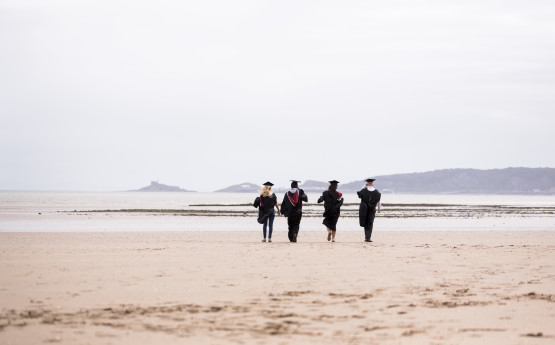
(240,188)
(307,186)
(446,181)
(467,181)
(159,187)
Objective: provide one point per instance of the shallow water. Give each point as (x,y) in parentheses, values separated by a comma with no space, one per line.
(19,211)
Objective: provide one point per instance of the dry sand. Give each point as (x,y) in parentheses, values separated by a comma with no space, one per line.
(433,287)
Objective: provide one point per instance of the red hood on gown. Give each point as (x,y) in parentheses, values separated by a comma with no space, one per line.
(294,198)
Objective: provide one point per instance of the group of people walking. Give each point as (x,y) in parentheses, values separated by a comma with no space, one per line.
(292,208)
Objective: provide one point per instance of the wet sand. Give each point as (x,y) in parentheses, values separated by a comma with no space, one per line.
(421,287)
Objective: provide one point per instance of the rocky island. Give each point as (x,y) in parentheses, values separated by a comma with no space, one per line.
(159,187)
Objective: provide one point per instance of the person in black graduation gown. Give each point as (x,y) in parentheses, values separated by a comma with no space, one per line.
(332,208)
(292,208)
(266,213)
(370,198)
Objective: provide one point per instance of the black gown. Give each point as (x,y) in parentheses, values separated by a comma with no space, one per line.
(367,210)
(294,213)
(367,207)
(267,207)
(332,208)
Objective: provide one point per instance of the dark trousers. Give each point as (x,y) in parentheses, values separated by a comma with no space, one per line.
(270,222)
(293,222)
(369,225)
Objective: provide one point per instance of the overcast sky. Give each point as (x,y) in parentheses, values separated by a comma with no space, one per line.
(109,95)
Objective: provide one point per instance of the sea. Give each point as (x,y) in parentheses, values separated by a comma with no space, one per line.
(27,211)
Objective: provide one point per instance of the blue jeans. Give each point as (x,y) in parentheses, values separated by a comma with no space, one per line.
(271,221)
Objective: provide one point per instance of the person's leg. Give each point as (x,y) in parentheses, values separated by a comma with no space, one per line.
(264,230)
(271,225)
(328,229)
(333,227)
(290,228)
(367,233)
(371,223)
(298,226)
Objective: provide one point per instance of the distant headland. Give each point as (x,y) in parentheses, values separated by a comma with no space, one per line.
(159,187)
(446,181)
(240,188)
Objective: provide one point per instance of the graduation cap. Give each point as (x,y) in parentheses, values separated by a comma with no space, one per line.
(370,179)
(268,184)
(333,182)
(294,183)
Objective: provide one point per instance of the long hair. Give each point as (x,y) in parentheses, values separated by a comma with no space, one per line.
(266,191)
(333,190)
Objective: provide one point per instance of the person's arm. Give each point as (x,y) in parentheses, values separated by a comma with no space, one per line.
(303,196)
(379,206)
(283,209)
(339,203)
(277,206)
(321,198)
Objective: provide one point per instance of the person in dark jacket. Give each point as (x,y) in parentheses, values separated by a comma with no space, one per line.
(266,213)
(370,198)
(332,208)
(292,208)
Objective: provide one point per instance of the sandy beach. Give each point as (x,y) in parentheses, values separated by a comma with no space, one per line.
(495,287)
(143,143)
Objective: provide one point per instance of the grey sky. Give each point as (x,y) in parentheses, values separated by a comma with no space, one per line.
(107,95)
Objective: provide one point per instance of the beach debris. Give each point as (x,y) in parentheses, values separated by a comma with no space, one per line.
(534,335)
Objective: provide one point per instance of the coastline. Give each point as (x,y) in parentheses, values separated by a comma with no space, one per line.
(157,212)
